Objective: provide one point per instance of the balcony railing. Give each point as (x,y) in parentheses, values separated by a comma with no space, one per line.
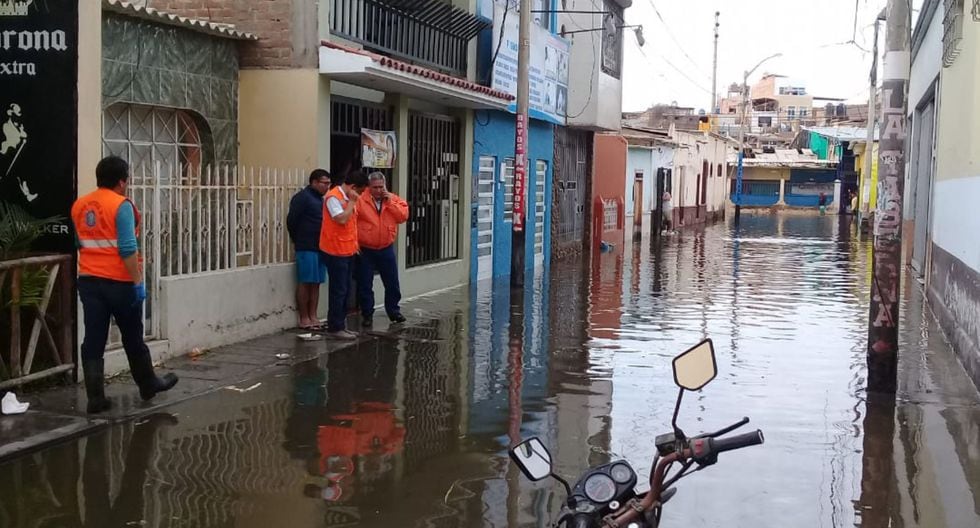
(426,32)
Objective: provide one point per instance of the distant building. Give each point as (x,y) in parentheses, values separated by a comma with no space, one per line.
(663,116)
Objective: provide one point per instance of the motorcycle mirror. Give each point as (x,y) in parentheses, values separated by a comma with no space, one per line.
(696,367)
(533,458)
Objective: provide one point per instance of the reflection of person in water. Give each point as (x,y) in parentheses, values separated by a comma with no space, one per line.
(127,509)
(309,400)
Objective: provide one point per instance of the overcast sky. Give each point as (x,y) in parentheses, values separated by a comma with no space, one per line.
(808,34)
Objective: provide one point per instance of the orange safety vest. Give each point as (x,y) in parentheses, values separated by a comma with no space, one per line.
(378,229)
(94,216)
(336,239)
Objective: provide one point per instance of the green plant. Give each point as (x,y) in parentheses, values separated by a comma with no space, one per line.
(18,232)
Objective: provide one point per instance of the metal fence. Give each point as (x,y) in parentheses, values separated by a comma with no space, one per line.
(433,188)
(204,219)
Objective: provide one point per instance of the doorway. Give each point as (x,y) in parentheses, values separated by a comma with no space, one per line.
(922,170)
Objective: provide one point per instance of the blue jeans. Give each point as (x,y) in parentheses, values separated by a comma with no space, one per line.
(339,271)
(385,262)
(102,299)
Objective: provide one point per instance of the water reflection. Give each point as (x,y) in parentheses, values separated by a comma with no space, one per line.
(411,427)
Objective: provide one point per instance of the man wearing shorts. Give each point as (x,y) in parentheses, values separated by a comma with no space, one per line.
(303,222)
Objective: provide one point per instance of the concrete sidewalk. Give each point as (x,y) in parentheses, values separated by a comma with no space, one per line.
(58,414)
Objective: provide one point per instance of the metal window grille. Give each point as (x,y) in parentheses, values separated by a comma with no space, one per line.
(147,135)
(952,30)
(433,188)
(541,167)
(484,197)
(348,117)
(508,177)
(610,215)
(415,33)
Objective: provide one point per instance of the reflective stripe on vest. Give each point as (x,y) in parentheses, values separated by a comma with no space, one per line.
(339,240)
(94,217)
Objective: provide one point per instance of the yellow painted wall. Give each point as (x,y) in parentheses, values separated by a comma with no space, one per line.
(89,93)
(869,185)
(278,119)
(959,111)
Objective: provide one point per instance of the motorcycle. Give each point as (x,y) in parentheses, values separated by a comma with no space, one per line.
(608,495)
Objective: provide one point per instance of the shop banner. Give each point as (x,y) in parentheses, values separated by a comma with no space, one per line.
(548,73)
(38,112)
(378,148)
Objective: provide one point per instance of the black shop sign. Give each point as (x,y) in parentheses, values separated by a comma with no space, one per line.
(38,111)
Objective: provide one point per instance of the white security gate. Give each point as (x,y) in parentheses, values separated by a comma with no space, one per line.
(484,216)
(541,172)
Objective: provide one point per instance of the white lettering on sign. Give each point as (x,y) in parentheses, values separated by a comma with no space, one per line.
(18,68)
(34,40)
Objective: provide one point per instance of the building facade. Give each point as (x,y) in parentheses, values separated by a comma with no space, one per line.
(942,174)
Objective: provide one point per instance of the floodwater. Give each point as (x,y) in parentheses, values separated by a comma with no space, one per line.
(411,428)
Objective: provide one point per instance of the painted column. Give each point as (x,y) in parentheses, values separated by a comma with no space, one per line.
(400,175)
(782,192)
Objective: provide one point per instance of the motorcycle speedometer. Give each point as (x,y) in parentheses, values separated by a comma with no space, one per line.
(621,473)
(600,488)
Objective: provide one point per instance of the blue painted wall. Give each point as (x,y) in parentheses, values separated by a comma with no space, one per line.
(493,136)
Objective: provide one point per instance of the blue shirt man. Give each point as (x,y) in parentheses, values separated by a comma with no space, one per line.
(303,223)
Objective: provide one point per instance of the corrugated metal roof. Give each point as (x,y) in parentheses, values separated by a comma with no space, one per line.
(843,133)
(154,15)
(784,158)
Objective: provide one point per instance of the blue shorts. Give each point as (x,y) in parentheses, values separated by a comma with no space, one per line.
(310,268)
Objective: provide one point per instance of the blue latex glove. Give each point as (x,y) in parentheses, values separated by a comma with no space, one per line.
(140,291)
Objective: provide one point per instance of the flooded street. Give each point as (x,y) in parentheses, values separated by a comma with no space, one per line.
(411,426)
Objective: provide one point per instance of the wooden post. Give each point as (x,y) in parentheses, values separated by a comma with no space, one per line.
(15,277)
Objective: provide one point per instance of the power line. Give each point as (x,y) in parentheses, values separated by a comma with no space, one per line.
(677,42)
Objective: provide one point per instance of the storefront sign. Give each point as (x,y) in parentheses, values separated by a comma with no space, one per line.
(378,149)
(548,74)
(38,112)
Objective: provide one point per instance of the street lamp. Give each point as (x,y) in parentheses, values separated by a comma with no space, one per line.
(741,136)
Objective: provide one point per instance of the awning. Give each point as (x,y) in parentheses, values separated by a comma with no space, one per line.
(446,17)
(385,74)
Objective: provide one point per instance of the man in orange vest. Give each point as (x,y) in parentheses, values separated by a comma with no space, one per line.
(110,283)
(338,242)
(379,213)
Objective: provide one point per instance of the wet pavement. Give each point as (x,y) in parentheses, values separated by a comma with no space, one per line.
(409,427)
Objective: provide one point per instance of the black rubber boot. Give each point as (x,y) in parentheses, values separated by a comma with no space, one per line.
(94,371)
(149,383)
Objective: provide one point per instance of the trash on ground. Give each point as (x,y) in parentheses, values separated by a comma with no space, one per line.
(310,337)
(195,353)
(282,356)
(11,405)
(236,389)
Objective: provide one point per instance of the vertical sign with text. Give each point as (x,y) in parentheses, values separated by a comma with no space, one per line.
(38,112)
(520,170)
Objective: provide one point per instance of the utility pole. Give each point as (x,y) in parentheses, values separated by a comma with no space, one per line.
(714,71)
(887,256)
(741,137)
(872,115)
(520,145)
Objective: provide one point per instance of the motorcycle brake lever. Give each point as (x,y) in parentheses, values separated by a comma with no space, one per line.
(728,429)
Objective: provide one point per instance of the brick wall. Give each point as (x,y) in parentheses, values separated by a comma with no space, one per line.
(286,29)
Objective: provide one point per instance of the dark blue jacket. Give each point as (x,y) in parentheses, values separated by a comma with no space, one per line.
(304,219)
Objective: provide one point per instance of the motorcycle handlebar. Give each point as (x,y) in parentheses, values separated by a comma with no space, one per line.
(739,441)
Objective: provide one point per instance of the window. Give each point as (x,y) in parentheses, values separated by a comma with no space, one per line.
(610,215)
(612,44)
(952,30)
(792,90)
(791,112)
(804,111)
(541,168)
(484,200)
(508,176)
(765,121)
(146,135)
